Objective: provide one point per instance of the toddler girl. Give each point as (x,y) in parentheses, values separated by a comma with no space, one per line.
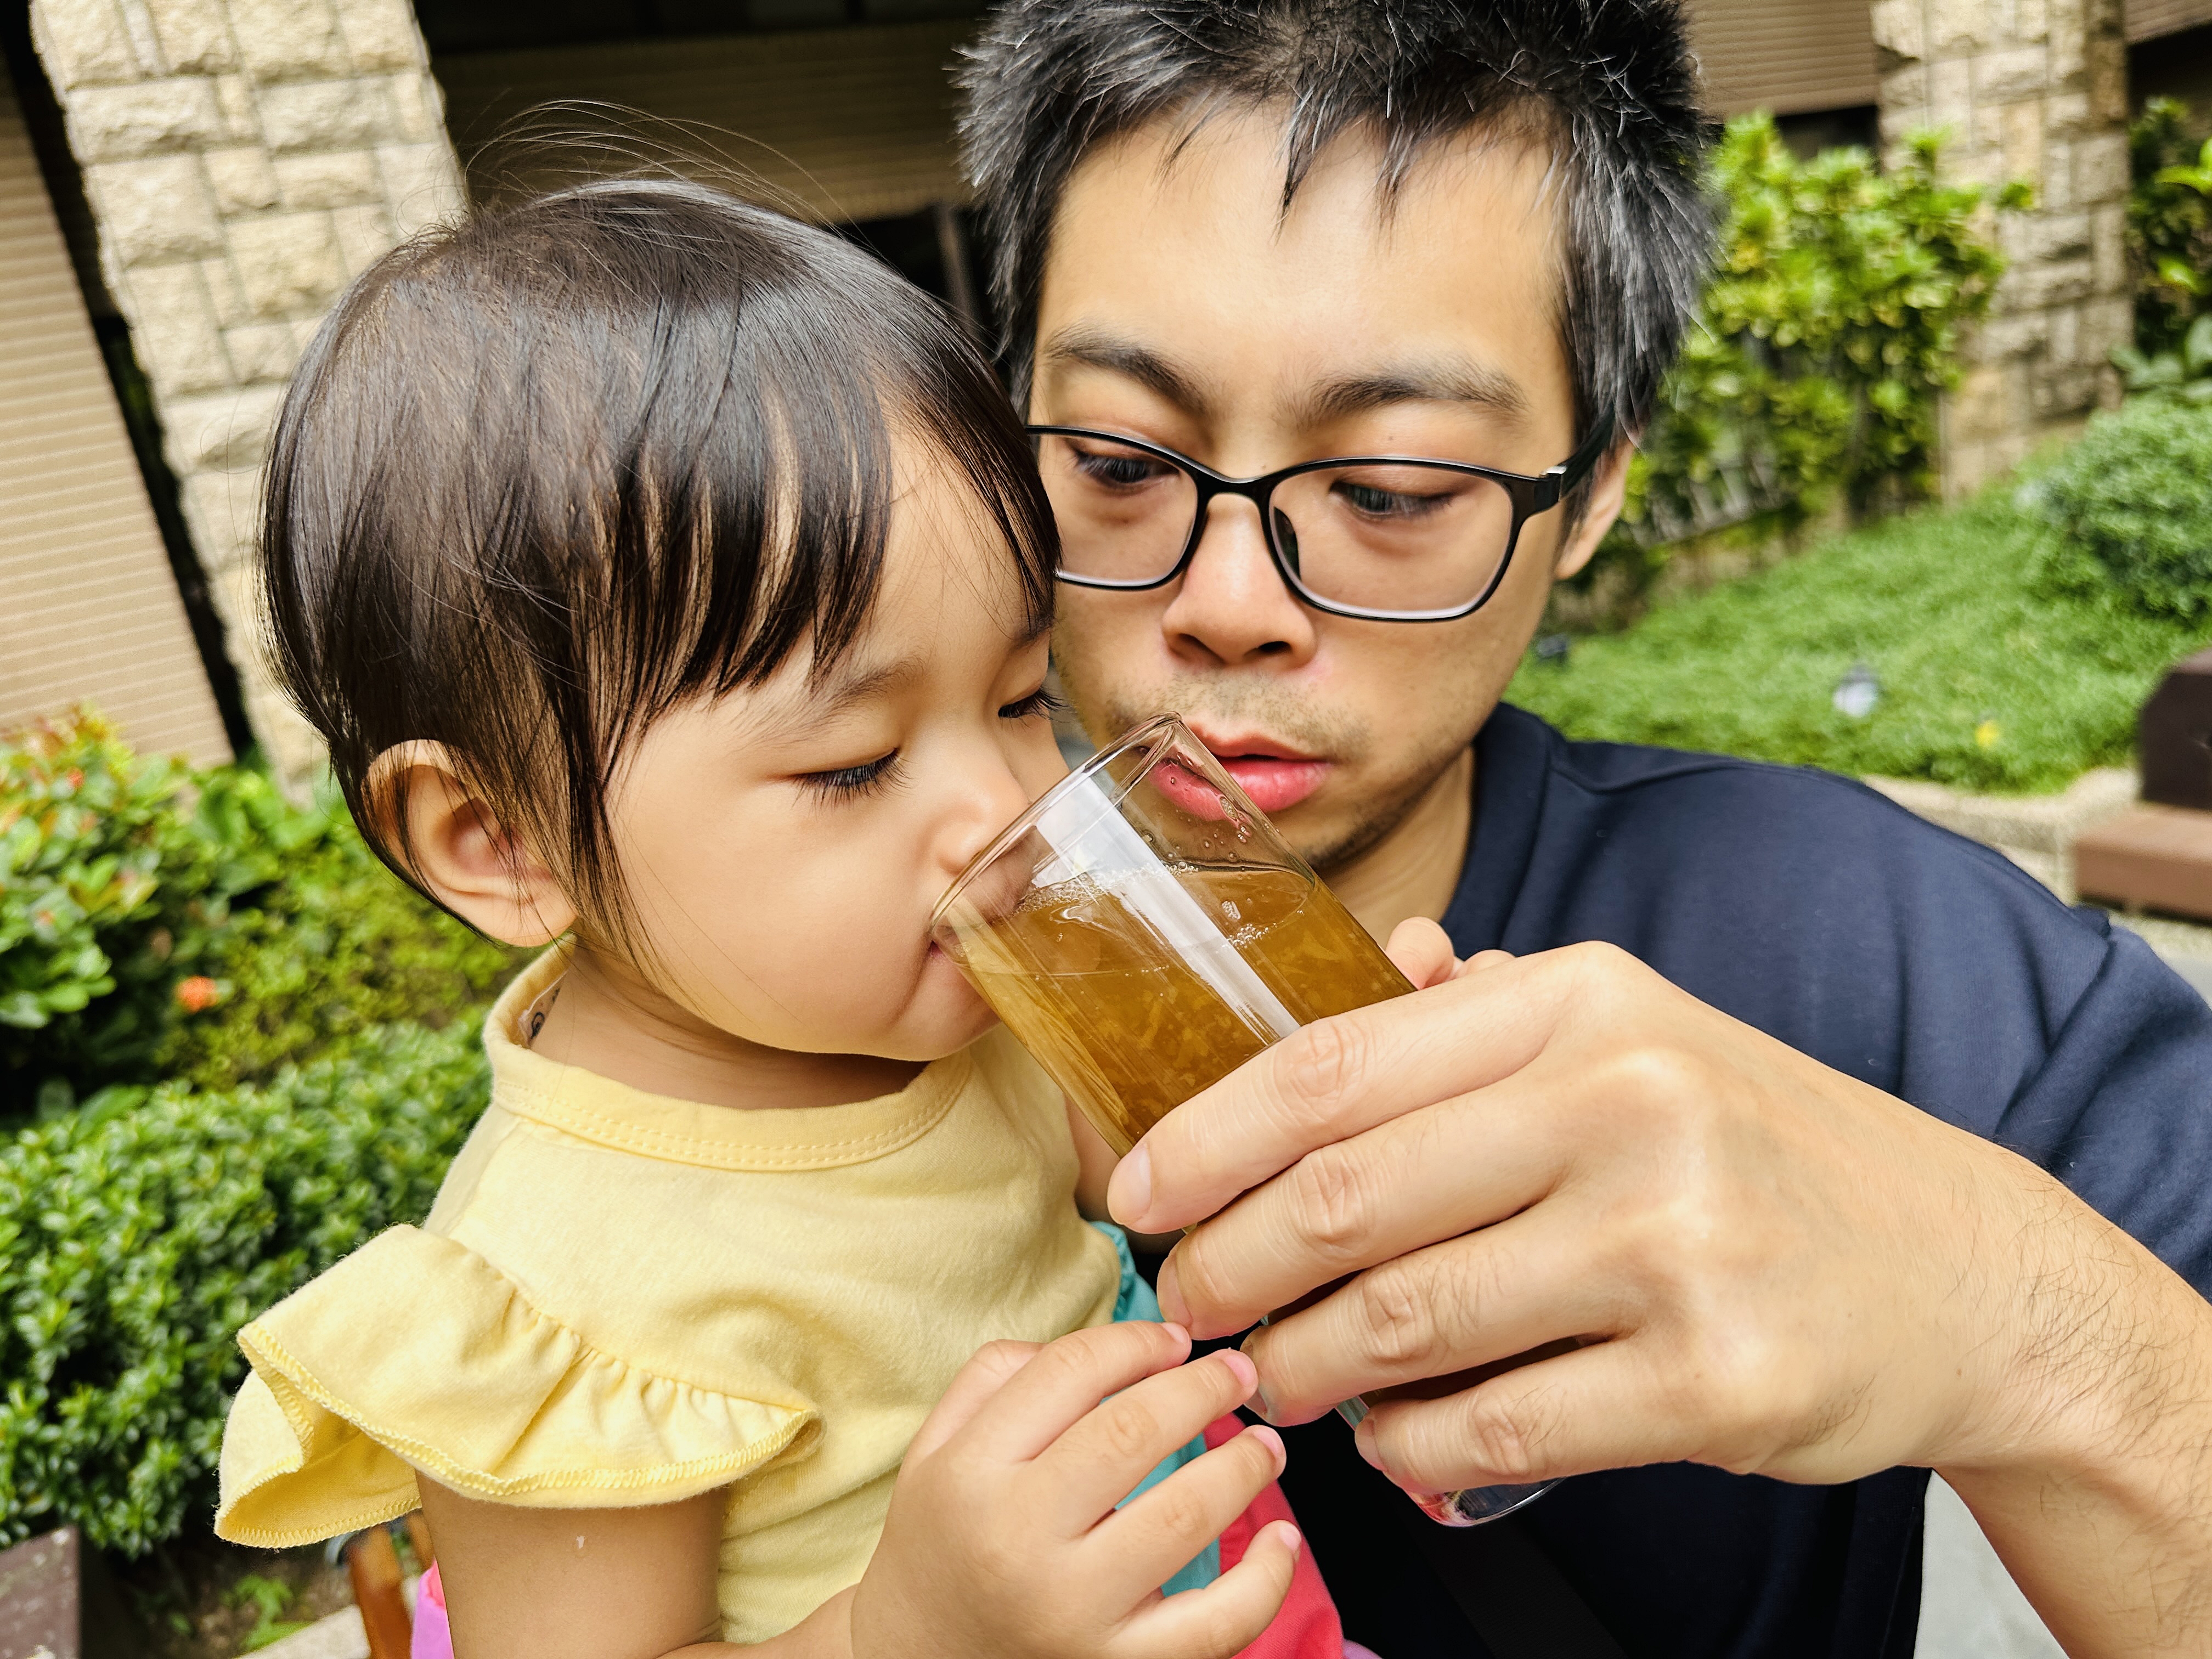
(671,578)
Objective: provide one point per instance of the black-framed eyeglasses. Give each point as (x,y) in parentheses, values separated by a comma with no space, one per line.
(1382,537)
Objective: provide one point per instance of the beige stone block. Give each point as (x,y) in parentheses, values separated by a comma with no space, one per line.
(2112,248)
(319,115)
(2065,332)
(342,179)
(219,510)
(2027,335)
(2002,77)
(2055,236)
(365,235)
(143,44)
(419,108)
(1951,84)
(223,432)
(382,35)
(1899,27)
(1905,92)
(2032,287)
(243,180)
(2066,114)
(173,328)
(194,36)
(2100,168)
(262,351)
(224,291)
(149,117)
(2108,89)
(2021,139)
(423,183)
(2062,392)
(241,115)
(1981,405)
(154,211)
(288,39)
(1956,28)
(2031,20)
(84,43)
(287,262)
(2106,323)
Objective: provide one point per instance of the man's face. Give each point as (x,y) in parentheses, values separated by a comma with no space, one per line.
(1181,306)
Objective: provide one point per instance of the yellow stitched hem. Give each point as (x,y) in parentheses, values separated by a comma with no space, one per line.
(264,1538)
(529,1104)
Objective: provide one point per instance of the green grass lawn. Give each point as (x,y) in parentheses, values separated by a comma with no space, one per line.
(1992,679)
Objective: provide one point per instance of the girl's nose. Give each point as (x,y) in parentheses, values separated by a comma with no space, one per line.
(993,799)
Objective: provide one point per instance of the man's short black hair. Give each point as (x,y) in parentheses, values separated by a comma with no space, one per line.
(1609,87)
(548,474)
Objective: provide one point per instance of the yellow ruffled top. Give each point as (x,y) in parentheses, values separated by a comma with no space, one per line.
(622,1299)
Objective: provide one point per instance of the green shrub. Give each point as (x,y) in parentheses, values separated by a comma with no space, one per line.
(1991,677)
(2169,226)
(156,922)
(2131,503)
(139,1232)
(1828,330)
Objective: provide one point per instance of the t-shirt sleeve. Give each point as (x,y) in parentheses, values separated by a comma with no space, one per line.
(415,1353)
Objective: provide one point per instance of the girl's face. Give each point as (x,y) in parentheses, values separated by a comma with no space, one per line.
(783,847)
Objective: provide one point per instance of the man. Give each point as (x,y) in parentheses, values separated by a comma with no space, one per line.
(1666,1143)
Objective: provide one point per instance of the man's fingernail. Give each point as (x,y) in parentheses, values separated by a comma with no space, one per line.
(1246,1373)
(1273,1442)
(1130,1192)
(1171,1295)
(1362,1442)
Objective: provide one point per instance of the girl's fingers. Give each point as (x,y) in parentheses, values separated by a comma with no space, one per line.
(1098,1461)
(1153,1537)
(1223,1618)
(1422,951)
(1481,963)
(987,1370)
(1061,1383)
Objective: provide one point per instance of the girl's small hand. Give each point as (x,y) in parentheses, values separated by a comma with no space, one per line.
(1003,1538)
(1423,952)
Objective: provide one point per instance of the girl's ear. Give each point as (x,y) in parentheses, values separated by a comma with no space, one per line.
(1608,492)
(472,864)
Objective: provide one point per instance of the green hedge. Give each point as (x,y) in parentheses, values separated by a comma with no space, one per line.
(2130,509)
(159,923)
(1829,328)
(138,1232)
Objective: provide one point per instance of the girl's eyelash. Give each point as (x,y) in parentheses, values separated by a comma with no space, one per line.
(850,780)
(1039,701)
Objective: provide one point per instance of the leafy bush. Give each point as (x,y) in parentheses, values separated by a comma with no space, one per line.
(156,922)
(139,1232)
(1991,677)
(2169,226)
(2131,506)
(1827,331)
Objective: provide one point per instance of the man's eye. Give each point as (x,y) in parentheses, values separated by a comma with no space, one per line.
(1039,701)
(849,781)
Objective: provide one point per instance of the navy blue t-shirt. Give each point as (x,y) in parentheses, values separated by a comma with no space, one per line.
(1810,906)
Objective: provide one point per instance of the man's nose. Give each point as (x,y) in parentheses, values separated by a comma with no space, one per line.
(1232,608)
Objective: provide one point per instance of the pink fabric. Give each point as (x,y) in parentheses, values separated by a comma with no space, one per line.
(1307,1626)
(434,1635)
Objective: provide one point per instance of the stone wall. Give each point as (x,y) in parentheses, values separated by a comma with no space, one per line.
(243,160)
(2033,90)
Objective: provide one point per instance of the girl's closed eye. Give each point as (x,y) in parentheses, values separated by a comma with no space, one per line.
(1039,701)
(844,783)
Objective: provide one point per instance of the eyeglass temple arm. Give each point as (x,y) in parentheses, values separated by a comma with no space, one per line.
(1577,466)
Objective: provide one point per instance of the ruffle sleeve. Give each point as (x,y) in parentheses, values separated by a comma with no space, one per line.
(415,1353)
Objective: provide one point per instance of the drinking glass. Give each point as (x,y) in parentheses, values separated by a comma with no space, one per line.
(1144,931)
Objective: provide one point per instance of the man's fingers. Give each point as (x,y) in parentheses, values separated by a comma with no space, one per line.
(1099,1460)
(986,1372)
(1340,1076)
(1426,1176)
(1422,952)
(1227,1615)
(1155,1536)
(1598,1407)
(1453,1307)
(1063,1380)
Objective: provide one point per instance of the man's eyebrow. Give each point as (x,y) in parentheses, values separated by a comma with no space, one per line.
(1094,348)
(1438,381)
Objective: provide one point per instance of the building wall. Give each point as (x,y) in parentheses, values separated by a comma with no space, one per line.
(1786,56)
(243,160)
(89,611)
(2033,89)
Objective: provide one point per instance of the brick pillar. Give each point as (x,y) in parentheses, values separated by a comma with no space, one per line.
(243,160)
(2033,89)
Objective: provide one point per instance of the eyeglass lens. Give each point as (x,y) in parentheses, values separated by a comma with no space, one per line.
(1381,536)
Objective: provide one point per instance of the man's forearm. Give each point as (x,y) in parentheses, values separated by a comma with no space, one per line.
(2102,1507)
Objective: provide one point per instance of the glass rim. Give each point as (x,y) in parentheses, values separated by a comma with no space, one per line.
(1036,809)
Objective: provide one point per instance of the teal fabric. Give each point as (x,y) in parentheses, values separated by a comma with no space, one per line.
(1135,1300)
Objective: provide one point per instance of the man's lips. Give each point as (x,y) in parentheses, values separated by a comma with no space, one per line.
(1274,775)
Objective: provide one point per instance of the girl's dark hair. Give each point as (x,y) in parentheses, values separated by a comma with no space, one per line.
(544,476)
